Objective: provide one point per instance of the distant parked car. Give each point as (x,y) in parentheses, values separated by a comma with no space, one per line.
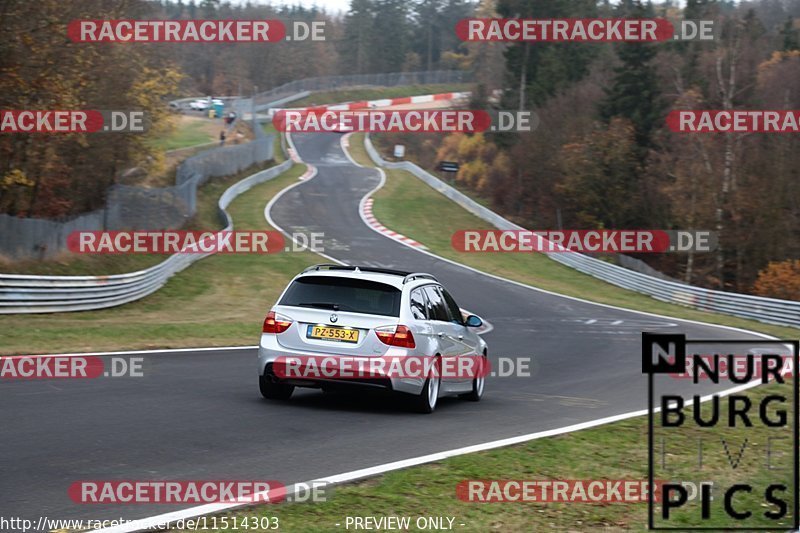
(203,104)
(199,105)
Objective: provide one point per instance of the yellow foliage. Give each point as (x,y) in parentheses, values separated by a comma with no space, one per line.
(470,146)
(472,171)
(778,57)
(15,177)
(448,151)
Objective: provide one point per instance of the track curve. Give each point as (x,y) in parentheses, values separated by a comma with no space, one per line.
(198,415)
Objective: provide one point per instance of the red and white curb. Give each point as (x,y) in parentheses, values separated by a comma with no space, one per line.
(308,173)
(380,228)
(293,155)
(385,102)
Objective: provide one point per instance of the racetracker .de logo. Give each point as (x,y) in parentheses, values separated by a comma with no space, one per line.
(176,31)
(72,121)
(173,242)
(555,490)
(376,121)
(734,121)
(176,491)
(342,367)
(25,367)
(583,241)
(563,30)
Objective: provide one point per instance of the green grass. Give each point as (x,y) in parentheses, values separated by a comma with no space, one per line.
(189,133)
(269,129)
(615,451)
(404,205)
(376,93)
(218,301)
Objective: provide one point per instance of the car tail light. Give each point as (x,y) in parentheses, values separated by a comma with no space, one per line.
(396,336)
(275,323)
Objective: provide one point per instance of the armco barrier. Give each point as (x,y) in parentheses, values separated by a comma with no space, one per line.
(769,310)
(135,206)
(50,294)
(383,79)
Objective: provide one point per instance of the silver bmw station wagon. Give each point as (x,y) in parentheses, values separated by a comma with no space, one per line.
(374,318)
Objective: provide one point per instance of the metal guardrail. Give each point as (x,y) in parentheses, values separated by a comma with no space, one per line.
(21,293)
(135,206)
(768,310)
(380,79)
(245,107)
(297,89)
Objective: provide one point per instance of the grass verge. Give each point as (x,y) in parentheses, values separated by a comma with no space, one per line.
(188,131)
(219,301)
(404,203)
(277,151)
(615,451)
(612,452)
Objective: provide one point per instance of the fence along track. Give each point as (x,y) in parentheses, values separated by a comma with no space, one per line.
(51,294)
(768,310)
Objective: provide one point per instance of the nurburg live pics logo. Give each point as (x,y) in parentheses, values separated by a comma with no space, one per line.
(758,486)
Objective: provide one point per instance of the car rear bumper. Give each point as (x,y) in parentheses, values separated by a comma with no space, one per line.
(269,351)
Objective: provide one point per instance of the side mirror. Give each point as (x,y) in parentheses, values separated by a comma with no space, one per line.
(474,321)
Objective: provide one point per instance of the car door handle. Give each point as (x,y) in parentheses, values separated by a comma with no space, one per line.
(461,337)
(441,335)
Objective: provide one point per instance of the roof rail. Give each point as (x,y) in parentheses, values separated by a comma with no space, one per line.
(418,275)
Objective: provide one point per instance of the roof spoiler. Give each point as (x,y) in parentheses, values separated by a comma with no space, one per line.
(407,276)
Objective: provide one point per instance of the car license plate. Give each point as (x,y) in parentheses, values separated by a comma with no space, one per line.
(332,334)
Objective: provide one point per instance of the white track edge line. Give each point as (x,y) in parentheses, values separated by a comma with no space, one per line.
(405,463)
(150,522)
(138,352)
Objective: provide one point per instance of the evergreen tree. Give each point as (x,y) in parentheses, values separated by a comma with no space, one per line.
(537,70)
(790,36)
(635,93)
(392,36)
(358,36)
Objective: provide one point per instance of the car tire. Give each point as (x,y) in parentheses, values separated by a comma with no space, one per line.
(427,399)
(478,385)
(274,390)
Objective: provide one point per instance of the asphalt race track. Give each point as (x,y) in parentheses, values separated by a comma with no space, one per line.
(200,416)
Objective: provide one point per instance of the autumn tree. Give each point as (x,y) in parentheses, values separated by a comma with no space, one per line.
(49,175)
(779,280)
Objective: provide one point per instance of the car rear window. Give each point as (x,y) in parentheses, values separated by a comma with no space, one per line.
(343,294)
